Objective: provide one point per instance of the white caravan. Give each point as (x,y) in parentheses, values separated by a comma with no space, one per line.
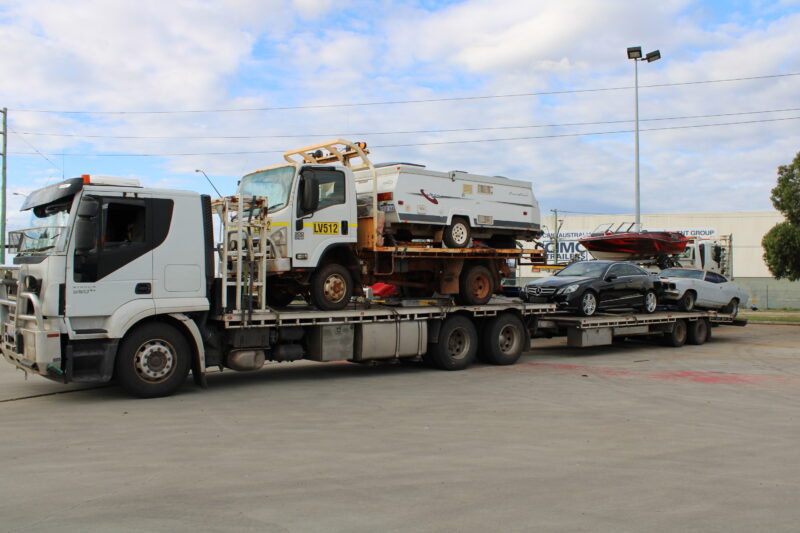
(452,207)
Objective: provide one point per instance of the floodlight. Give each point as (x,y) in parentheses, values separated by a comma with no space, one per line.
(635,52)
(653,56)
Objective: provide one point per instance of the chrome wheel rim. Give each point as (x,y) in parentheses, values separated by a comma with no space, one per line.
(589,303)
(650,302)
(155,360)
(458,344)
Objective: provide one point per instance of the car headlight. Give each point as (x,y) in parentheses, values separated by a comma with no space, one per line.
(569,289)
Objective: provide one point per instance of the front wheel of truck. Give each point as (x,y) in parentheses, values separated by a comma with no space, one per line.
(153,361)
(331,287)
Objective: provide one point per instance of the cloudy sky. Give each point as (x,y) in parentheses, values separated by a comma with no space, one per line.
(156,89)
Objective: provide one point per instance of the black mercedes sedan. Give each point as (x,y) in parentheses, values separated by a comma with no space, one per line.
(591,286)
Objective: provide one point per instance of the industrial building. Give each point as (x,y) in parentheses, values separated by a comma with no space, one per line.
(746,229)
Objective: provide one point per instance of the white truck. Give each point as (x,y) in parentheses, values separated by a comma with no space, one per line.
(328,222)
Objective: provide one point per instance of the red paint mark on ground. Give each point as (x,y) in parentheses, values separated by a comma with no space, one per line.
(696,376)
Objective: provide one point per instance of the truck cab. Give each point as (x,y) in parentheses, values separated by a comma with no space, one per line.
(102,257)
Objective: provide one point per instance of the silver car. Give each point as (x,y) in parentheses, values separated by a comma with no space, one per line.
(691,288)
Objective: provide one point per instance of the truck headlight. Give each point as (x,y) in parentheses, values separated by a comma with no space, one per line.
(31,284)
(569,289)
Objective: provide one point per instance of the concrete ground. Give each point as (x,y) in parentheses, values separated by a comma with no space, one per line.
(632,437)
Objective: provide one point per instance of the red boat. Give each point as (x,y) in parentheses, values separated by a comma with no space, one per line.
(623,244)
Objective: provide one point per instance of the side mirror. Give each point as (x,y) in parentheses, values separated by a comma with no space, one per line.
(310,194)
(88,207)
(85,234)
(611,277)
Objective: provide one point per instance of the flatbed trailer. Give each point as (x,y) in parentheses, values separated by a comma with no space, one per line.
(676,328)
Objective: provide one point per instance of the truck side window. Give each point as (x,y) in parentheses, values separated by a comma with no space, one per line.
(124,224)
(331,188)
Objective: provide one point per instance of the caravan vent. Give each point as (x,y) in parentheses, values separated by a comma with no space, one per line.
(484,189)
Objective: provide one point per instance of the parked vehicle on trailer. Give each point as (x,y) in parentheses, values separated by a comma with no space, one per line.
(689,288)
(327,222)
(591,286)
(453,207)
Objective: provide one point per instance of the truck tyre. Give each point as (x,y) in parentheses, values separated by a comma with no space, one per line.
(331,287)
(279,296)
(687,301)
(457,346)
(587,306)
(503,340)
(153,361)
(697,332)
(650,302)
(476,286)
(732,308)
(457,234)
(677,337)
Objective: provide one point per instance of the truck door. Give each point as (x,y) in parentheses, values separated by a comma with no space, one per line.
(323,218)
(110,269)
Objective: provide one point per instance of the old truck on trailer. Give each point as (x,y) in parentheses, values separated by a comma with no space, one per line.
(327,222)
(117,281)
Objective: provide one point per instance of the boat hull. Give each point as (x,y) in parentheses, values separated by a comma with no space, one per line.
(630,246)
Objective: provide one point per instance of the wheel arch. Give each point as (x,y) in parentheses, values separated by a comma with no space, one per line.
(187,327)
(343,254)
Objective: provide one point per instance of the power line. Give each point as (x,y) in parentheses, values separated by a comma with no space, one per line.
(398,102)
(406,132)
(35,149)
(586,134)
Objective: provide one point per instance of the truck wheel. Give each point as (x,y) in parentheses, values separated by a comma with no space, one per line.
(587,306)
(732,308)
(677,337)
(476,286)
(503,340)
(458,343)
(279,296)
(153,361)
(650,302)
(331,287)
(687,301)
(457,234)
(697,332)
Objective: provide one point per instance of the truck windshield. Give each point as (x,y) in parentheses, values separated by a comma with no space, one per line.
(274,183)
(48,229)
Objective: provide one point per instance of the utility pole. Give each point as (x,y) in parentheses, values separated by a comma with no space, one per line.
(556,230)
(3,187)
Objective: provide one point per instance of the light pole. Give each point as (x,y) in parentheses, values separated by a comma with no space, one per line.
(635,53)
(209,181)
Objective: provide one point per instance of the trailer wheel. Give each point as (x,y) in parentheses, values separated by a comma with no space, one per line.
(732,308)
(153,361)
(503,340)
(687,301)
(331,287)
(476,286)
(697,332)
(650,302)
(457,346)
(677,337)
(457,234)
(587,306)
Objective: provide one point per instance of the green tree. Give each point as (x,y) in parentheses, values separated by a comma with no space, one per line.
(781,244)
(786,194)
